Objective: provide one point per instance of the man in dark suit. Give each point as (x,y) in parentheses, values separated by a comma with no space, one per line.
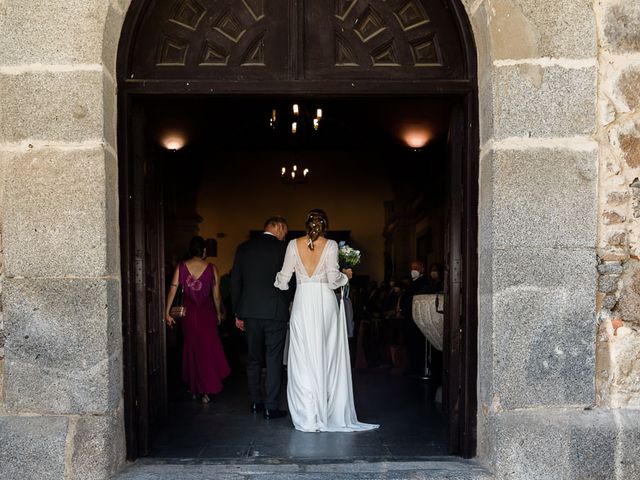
(262,311)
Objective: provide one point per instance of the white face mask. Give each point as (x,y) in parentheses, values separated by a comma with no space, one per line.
(434,275)
(414,274)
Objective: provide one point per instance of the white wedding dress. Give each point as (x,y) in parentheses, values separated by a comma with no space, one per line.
(319,390)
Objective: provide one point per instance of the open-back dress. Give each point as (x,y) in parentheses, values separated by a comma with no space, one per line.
(319,389)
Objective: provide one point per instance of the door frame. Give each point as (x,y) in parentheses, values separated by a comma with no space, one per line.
(461,371)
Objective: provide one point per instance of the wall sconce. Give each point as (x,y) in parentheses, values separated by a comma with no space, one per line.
(416,137)
(173,141)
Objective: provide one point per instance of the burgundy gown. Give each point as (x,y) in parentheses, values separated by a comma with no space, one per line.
(203,362)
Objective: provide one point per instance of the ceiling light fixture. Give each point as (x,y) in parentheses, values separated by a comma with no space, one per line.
(297,122)
(294,173)
(298,117)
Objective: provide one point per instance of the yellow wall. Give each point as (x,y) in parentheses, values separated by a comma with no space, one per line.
(240,190)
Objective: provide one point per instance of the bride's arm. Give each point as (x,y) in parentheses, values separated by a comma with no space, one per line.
(285,273)
(334,275)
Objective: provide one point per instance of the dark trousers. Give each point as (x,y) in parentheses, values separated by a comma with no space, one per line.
(265,339)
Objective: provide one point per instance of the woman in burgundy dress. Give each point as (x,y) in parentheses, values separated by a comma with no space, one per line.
(204,365)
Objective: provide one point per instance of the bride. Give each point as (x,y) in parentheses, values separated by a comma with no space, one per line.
(319,390)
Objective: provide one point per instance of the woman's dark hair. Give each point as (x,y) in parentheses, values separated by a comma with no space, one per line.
(317,224)
(196,247)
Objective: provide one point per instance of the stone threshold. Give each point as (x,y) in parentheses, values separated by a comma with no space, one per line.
(272,469)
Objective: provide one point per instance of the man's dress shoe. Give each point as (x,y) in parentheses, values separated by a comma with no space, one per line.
(257,407)
(270,413)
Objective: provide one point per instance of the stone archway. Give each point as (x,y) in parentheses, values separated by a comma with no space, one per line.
(527,114)
(541,139)
(372,48)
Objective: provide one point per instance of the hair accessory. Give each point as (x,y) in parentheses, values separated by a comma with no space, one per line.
(316,224)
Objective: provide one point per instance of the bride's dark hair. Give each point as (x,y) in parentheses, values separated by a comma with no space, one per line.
(317,224)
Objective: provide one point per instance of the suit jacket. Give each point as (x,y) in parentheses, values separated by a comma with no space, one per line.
(253,294)
(418,286)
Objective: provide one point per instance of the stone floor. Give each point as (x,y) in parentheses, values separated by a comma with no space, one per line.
(358,470)
(411,425)
(222,440)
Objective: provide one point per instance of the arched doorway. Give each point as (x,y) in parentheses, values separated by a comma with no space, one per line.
(340,49)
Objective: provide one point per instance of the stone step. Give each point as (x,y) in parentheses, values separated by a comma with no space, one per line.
(360,470)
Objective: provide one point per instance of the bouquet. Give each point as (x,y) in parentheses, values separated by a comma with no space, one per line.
(348,257)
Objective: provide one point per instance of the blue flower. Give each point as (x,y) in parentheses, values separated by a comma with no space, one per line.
(342,243)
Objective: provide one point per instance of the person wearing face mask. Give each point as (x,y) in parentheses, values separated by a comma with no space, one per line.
(413,336)
(434,282)
(419,281)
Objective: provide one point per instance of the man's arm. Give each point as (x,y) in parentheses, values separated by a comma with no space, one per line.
(236,280)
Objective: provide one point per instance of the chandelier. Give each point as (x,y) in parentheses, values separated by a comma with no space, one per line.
(297,123)
(294,174)
(299,120)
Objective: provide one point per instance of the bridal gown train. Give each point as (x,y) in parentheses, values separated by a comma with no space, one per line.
(319,389)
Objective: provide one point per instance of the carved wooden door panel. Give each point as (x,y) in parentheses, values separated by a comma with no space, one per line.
(214,39)
(368,39)
(247,40)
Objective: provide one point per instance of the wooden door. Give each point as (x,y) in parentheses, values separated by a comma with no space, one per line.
(458,365)
(155,285)
(142,252)
(453,265)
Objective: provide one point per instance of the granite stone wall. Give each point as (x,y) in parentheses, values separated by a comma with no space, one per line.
(618,133)
(61,409)
(557,388)
(558,243)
